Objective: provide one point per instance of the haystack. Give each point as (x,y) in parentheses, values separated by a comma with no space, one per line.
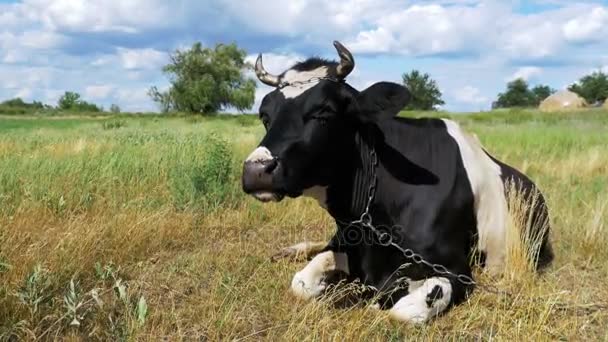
(562,100)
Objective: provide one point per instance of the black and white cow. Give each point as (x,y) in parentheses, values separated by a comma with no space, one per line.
(438,193)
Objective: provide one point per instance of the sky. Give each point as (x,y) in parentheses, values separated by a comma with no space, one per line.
(113,51)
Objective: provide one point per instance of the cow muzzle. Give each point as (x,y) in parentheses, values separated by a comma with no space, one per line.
(258,172)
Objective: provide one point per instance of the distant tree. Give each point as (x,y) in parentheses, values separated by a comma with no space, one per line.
(593,88)
(72,101)
(19,103)
(114,108)
(541,92)
(425,92)
(68,100)
(517,95)
(206,80)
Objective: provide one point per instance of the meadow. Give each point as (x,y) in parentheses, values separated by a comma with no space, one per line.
(135,228)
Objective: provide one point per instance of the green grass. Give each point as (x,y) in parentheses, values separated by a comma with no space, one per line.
(101,214)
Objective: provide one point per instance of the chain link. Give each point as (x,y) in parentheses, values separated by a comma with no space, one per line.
(386,240)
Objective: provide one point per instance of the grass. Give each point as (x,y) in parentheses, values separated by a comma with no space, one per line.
(120,228)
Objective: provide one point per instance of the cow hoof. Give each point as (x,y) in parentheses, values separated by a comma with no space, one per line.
(307,288)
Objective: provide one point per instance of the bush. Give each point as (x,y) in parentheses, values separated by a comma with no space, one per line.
(518,94)
(204,182)
(17,106)
(71,101)
(113,124)
(593,88)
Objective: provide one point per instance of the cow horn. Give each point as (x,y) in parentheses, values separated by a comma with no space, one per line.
(347,62)
(263,75)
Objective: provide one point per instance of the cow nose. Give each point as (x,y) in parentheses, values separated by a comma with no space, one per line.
(257,175)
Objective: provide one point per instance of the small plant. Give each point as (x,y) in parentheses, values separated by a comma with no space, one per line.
(4,265)
(73,303)
(106,272)
(113,124)
(35,289)
(142,310)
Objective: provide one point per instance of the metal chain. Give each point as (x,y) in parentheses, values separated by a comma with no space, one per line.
(385,239)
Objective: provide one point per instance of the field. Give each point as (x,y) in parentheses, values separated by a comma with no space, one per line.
(119,228)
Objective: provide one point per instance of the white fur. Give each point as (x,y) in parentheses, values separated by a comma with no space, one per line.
(260,154)
(319,193)
(490,202)
(306,247)
(265,196)
(413,307)
(291,76)
(310,281)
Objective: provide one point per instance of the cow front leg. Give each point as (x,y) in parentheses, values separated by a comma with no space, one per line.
(312,280)
(425,300)
(300,251)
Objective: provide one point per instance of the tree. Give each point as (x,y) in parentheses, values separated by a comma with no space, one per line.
(425,93)
(593,88)
(114,108)
(206,80)
(68,100)
(541,92)
(19,103)
(519,94)
(72,101)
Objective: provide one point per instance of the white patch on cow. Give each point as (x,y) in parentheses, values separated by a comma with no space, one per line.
(260,154)
(310,282)
(294,76)
(490,202)
(265,196)
(319,193)
(413,308)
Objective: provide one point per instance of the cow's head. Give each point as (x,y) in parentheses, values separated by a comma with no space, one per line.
(309,119)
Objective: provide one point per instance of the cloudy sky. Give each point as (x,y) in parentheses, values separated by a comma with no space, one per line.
(111,51)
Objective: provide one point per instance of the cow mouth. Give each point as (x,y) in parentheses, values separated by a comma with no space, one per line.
(267,196)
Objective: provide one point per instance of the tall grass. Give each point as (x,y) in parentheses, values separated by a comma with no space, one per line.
(95,223)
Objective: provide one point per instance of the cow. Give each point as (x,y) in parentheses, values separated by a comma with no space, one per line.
(406,194)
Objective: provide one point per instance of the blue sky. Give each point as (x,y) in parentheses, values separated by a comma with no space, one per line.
(112,51)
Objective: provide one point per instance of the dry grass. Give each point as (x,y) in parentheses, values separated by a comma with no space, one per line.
(203,268)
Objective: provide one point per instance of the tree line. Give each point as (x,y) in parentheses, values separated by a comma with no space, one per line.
(207,80)
(68,102)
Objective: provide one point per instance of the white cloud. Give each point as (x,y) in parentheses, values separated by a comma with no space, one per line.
(526,73)
(469,95)
(135,99)
(276,63)
(95,92)
(101,15)
(48,46)
(590,26)
(428,29)
(141,58)
(24,93)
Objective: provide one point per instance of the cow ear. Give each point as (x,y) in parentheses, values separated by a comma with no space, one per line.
(380,101)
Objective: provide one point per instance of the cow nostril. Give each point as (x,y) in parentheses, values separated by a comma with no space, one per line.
(271,165)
